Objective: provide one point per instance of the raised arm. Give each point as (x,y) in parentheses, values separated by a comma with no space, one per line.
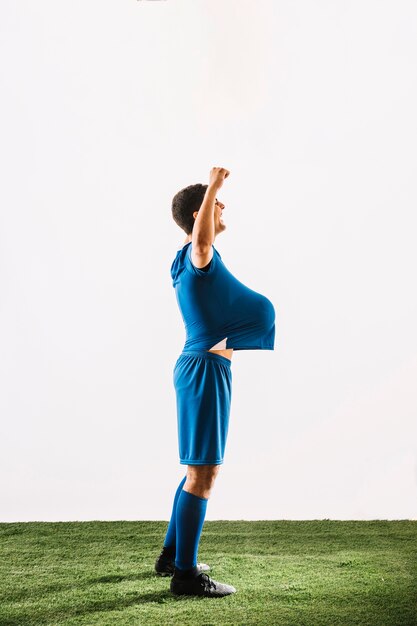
(203,230)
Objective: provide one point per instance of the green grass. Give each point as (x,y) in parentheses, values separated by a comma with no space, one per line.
(291,573)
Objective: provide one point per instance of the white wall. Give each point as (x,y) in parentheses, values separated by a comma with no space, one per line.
(107,109)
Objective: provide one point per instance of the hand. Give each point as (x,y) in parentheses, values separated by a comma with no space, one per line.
(217,176)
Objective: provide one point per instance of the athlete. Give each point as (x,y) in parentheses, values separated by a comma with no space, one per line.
(220,315)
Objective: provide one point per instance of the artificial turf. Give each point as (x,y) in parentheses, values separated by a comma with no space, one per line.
(289,573)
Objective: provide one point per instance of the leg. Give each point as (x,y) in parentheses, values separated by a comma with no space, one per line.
(170,537)
(199,481)
(191,512)
(188,579)
(203,403)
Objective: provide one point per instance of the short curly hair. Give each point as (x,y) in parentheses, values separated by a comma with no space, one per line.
(184,203)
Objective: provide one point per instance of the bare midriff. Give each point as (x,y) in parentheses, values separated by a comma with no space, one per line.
(227,353)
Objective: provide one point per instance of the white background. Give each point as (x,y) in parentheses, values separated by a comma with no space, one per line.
(107,109)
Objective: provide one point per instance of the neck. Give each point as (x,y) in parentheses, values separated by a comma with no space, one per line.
(189,238)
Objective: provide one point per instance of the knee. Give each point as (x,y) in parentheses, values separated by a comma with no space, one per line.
(200,480)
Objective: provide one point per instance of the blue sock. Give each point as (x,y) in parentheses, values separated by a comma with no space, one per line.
(171,536)
(191,511)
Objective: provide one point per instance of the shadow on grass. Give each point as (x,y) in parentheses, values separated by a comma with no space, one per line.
(118,578)
(372,609)
(77,585)
(48,616)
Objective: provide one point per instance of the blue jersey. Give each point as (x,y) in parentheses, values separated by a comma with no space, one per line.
(217,307)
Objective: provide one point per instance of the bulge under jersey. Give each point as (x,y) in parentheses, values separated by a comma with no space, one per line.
(218,310)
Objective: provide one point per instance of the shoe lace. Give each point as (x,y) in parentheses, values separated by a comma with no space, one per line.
(207,582)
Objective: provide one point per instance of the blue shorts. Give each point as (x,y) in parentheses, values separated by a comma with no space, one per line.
(203,387)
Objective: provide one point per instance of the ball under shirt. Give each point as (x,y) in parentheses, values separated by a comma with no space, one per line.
(217,308)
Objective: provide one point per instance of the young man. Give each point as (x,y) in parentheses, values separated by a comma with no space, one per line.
(220,315)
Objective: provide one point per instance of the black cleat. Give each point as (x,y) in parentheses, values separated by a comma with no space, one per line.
(200,585)
(166,567)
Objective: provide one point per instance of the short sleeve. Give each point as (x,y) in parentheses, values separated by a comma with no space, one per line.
(195,270)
